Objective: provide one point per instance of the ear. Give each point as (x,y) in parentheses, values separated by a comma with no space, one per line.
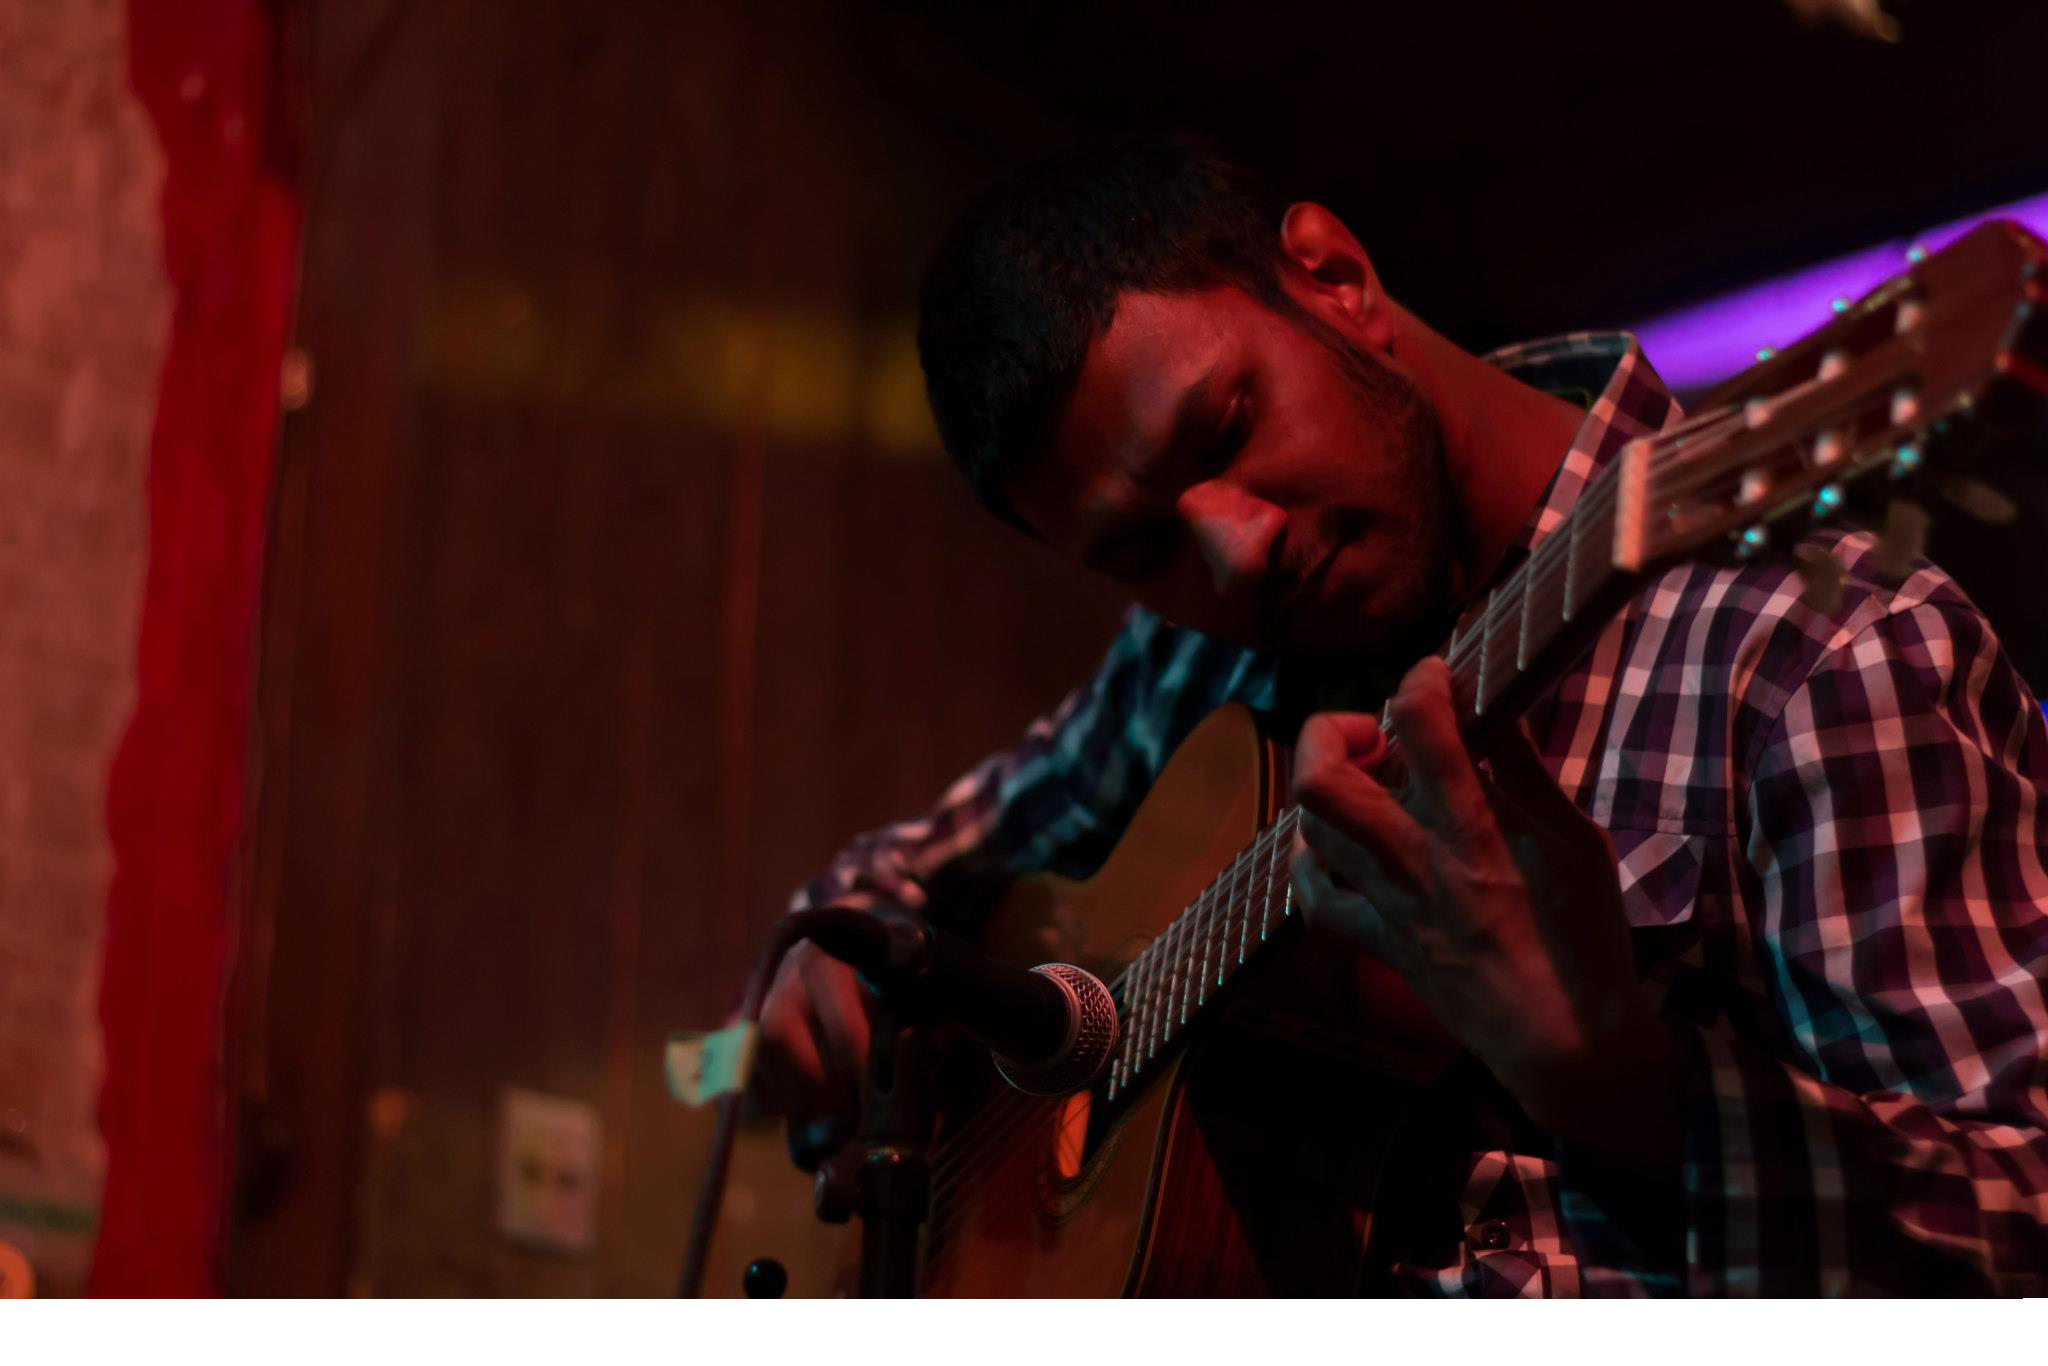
(1336,279)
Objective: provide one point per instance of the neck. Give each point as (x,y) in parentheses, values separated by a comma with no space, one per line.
(1502,443)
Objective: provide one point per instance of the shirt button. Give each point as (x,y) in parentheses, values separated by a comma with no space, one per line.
(1492,1235)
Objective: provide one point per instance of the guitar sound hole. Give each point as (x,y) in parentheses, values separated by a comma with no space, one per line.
(1072,1137)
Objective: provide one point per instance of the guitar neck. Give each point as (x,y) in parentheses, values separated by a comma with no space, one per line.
(1776,449)
(1537,621)
(1531,627)
(1206,946)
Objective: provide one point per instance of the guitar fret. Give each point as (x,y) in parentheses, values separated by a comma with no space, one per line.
(1192,963)
(1157,960)
(1198,965)
(1236,876)
(1543,614)
(1176,980)
(1245,932)
(1266,898)
(1167,982)
(1134,999)
(1500,668)
(1485,628)
(1133,1051)
(1168,977)
(1522,651)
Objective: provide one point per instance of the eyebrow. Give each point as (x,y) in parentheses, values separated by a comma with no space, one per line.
(1190,415)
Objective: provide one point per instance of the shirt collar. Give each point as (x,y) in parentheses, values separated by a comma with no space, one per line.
(1608,375)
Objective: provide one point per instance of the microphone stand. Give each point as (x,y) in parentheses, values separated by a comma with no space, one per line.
(884,1174)
(895,1171)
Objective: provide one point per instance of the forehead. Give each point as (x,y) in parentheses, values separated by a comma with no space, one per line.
(1124,404)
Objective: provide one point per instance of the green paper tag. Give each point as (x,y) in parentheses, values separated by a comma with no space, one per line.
(703,1067)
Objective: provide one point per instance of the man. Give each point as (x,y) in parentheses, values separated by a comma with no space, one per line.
(1760,951)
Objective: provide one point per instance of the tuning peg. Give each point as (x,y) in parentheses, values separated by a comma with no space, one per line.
(1981,501)
(1828,500)
(1905,460)
(1903,540)
(1753,539)
(1822,578)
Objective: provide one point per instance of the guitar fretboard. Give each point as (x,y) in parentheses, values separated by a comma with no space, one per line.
(1500,645)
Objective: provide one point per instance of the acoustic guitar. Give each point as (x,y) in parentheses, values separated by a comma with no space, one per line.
(1239,1142)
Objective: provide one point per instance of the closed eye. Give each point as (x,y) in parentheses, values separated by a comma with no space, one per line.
(1142,552)
(1235,432)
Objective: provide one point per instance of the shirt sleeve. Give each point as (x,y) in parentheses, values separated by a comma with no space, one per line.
(1060,797)
(1897,813)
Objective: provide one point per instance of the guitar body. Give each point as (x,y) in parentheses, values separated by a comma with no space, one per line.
(1248,1167)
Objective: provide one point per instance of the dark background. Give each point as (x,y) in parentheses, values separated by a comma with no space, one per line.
(615,577)
(1522,169)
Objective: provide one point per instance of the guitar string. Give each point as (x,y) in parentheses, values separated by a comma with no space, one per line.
(1003,1120)
(1536,591)
(971,1149)
(1539,573)
(1536,584)
(1541,570)
(951,1215)
(958,1164)
(1682,477)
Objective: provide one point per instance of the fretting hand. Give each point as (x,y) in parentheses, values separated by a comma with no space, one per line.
(1498,902)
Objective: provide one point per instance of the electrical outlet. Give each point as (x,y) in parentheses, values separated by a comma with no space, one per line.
(548,1150)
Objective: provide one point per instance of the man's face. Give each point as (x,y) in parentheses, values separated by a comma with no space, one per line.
(1245,476)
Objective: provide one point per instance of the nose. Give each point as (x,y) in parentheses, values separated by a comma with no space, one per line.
(1236,532)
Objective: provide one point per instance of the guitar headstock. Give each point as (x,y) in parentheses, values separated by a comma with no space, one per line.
(1860,407)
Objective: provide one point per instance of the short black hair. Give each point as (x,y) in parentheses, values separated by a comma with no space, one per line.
(1032,271)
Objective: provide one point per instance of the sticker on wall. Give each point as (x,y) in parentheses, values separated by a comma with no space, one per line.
(703,1067)
(548,1148)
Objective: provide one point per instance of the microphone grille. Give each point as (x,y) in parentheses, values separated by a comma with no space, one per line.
(1089,1044)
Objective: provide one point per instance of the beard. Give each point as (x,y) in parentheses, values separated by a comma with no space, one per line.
(1427,533)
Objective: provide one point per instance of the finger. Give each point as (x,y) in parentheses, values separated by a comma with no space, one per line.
(790,1079)
(1354,737)
(1332,787)
(1354,865)
(1441,772)
(1324,773)
(1329,908)
(839,1006)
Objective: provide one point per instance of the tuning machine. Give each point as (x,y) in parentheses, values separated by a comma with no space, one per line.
(1821,578)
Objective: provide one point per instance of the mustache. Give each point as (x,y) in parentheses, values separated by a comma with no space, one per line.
(1295,558)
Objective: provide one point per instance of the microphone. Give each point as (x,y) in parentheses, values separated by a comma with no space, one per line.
(1051,1028)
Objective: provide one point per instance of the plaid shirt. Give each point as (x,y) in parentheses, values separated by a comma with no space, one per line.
(1830,831)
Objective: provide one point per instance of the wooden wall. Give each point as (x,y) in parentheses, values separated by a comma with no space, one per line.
(615,579)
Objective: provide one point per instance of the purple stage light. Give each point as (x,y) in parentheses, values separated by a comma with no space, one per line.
(1696,346)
